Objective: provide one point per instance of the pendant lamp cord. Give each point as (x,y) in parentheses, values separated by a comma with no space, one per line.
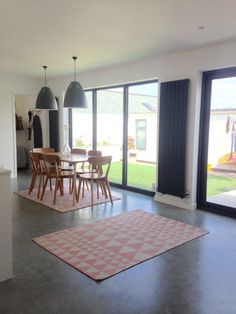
(45,78)
(74,58)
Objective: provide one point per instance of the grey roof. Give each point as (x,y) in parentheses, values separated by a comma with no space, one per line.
(111,102)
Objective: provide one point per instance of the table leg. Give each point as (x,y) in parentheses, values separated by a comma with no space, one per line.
(74,186)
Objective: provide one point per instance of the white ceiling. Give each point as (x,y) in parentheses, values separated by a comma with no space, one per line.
(105,32)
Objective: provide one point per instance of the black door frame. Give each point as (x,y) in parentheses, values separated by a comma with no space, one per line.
(207,79)
(125,129)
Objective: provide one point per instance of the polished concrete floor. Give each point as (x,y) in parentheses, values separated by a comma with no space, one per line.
(197,277)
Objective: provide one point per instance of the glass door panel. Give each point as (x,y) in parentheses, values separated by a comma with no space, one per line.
(110,129)
(142,135)
(221,164)
(82,121)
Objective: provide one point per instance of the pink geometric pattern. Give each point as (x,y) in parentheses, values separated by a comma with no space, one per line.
(65,203)
(111,245)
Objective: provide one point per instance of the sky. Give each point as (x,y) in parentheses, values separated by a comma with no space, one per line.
(149,89)
(223,93)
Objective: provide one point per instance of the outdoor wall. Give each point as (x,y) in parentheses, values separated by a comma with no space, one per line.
(149,153)
(219,140)
(10,86)
(176,66)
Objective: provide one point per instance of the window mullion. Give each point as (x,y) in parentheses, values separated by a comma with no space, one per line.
(125,136)
(94,119)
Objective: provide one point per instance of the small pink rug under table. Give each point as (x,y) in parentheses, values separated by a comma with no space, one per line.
(64,203)
(109,246)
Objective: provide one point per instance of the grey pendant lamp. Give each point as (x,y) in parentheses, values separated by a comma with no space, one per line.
(46,99)
(75,96)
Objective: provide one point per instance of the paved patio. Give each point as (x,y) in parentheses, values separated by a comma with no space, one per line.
(226,198)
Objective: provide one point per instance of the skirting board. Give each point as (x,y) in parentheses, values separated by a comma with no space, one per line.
(174,201)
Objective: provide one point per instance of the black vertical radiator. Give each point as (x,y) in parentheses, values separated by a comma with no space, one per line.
(172,138)
(54,128)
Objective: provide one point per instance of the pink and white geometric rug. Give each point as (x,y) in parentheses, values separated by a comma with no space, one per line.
(64,203)
(109,246)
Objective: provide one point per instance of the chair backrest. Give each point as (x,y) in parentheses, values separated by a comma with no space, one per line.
(101,164)
(78,151)
(36,159)
(52,160)
(94,153)
(44,150)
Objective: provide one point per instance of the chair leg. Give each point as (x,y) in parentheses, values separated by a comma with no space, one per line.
(104,188)
(32,184)
(44,188)
(97,183)
(83,189)
(91,185)
(71,186)
(57,184)
(109,190)
(40,184)
(61,186)
(79,188)
(87,186)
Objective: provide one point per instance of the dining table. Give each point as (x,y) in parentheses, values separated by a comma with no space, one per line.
(72,159)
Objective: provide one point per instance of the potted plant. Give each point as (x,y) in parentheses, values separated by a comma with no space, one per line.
(131,147)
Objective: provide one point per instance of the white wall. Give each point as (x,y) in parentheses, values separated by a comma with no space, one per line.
(6,263)
(10,86)
(189,64)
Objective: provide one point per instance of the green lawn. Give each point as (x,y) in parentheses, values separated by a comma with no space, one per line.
(139,175)
(217,184)
(143,176)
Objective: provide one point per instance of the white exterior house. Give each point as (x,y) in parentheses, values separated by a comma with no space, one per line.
(142,125)
(220,141)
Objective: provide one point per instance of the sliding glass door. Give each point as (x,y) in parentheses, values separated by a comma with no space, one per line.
(217,171)
(121,121)
(142,136)
(110,128)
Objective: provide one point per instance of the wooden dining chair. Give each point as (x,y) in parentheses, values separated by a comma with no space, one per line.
(79,151)
(101,165)
(94,152)
(37,171)
(86,167)
(91,153)
(44,150)
(53,168)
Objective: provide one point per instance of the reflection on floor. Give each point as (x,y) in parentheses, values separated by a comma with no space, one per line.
(196,277)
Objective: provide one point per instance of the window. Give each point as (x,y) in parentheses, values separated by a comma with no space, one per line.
(82,125)
(110,128)
(216,177)
(121,121)
(141,134)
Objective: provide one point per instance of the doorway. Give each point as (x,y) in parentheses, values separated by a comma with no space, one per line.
(24,142)
(25,136)
(217,146)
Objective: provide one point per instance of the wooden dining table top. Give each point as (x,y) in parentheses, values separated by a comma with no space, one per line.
(72,158)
